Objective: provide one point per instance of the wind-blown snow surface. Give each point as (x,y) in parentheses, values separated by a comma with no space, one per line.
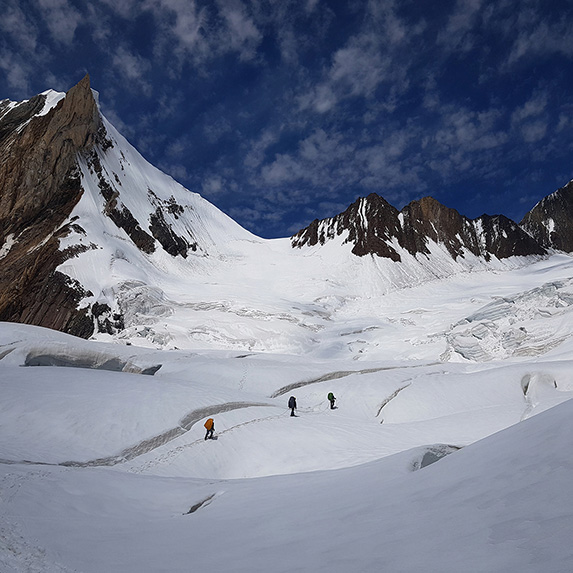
(103,465)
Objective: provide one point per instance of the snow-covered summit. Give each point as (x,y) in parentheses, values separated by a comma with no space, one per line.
(433,355)
(95,241)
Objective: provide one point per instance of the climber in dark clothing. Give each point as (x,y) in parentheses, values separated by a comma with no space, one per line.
(331,399)
(292,405)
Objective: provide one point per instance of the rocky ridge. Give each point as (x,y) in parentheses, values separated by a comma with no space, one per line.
(374,227)
(550,222)
(39,185)
(48,159)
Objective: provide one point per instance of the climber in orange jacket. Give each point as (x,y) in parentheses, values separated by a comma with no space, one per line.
(210,427)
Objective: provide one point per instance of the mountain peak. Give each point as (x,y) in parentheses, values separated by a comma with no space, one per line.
(79,115)
(550,222)
(369,222)
(374,227)
(40,184)
(87,226)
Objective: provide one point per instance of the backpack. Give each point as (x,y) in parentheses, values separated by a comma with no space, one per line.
(209,424)
(292,402)
(331,396)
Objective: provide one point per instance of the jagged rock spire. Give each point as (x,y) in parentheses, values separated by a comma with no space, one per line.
(39,186)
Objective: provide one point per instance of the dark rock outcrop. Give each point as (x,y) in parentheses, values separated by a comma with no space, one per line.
(504,238)
(374,227)
(370,223)
(39,186)
(117,212)
(171,242)
(550,222)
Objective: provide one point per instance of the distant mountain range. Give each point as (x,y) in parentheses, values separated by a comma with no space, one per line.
(85,222)
(374,227)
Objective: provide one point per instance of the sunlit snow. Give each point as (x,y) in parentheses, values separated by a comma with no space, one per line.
(104,466)
(449,449)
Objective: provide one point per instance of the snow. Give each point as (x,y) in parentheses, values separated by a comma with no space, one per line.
(8,244)
(105,468)
(52,99)
(237,291)
(550,225)
(449,449)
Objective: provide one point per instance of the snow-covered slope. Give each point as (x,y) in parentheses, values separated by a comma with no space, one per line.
(264,294)
(423,464)
(448,450)
(267,295)
(453,408)
(206,281)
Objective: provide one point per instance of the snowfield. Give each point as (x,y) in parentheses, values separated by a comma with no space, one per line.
(449,449)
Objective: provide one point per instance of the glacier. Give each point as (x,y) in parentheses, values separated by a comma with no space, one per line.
(449,449)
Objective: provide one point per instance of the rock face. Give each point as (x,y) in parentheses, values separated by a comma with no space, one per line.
(76,198)
(550,222)
(374,227)
(39,185)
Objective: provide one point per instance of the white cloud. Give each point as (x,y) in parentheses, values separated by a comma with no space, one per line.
(125,8)
(460,23)
(212,185)
(240,33)
(22,33)
(360,67)
(323,99)
(537,36)
(284,169)
(61,18)
(257,147)
(383,20)
(18,48)
(321,160)
(189,32)
(534,107)
(17,75)
(177,148)
(530,120)
(464,131)
(189,21)
(132,68)
(534,131)
(310,6)
(374,63)
(564,122)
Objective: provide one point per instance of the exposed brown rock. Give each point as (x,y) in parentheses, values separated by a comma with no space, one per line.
(373,226)
(429,219)
(369,221)
(39,186)
(550,222)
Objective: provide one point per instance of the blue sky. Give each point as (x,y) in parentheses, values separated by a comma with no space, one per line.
(280,112)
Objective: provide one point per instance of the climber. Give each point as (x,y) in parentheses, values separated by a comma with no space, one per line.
(210,427)
(292,405)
